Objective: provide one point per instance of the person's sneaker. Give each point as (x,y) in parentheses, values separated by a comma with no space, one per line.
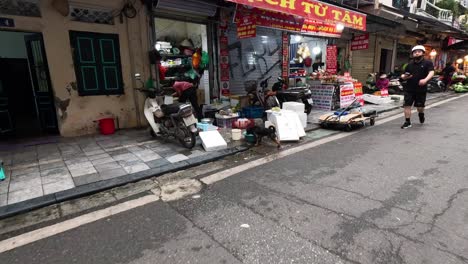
(422,118)
(406,125)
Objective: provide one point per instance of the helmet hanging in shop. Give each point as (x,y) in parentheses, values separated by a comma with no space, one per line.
(418,47)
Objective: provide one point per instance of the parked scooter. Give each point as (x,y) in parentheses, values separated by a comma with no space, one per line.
(263,96)
(436,85)
(395,86)
(369,87)
(293,94)
(172,120)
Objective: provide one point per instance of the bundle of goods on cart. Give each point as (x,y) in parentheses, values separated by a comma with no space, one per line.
(348,118)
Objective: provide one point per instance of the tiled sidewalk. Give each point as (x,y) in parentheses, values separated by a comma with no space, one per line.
(34,171)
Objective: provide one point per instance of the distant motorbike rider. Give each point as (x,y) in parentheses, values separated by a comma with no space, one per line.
(448,72)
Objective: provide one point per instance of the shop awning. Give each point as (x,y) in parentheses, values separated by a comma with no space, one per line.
(428,24)
(311,10)
(462,45)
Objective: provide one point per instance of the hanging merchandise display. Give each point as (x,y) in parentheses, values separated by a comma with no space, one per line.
(181,53)
(196,59)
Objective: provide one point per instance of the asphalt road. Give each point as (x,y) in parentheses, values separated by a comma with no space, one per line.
(384,195)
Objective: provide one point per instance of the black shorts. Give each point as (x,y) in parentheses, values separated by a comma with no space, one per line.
(416,99)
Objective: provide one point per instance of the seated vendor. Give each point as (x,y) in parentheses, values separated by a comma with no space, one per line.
(188,91)
(382,82)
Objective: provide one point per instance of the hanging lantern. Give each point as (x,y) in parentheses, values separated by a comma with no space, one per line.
(316,50)
(339,27)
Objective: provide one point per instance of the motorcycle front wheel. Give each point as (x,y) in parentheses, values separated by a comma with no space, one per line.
(187,138)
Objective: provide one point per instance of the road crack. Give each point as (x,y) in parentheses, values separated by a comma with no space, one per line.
(444,210)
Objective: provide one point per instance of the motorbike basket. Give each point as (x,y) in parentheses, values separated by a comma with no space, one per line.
(185,110)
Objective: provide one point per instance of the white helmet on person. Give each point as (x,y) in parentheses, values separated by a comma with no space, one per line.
(418,47)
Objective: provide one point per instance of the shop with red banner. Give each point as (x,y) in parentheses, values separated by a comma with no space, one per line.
(315,53)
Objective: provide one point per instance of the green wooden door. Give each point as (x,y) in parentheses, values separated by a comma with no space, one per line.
(6,125)
(97,63)
(43,94)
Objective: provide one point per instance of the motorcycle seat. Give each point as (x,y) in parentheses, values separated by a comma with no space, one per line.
(171,108)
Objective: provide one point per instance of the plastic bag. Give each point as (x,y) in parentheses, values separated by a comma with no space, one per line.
(196,59)
(192,74)
(205,60)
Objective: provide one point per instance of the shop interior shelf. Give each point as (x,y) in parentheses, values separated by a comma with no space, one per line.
(174,56)
(177,66)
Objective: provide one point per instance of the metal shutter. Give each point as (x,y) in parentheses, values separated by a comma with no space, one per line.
(363,61)
(194,7)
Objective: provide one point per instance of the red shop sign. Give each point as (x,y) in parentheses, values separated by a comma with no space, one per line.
(331,59)
(270,19)
(360,42)
(246,27)
(320,28)
(311,9)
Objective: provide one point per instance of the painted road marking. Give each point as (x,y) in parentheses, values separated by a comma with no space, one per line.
(221,175)
(61,227)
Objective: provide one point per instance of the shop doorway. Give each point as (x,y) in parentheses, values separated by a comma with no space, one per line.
(386,60)
(26,102)
(177,42)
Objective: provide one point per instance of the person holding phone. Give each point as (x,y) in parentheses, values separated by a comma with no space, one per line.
(417,74)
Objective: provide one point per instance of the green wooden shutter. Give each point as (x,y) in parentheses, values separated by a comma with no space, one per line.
(97,63)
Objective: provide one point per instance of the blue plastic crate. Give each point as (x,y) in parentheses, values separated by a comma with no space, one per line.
(253,111)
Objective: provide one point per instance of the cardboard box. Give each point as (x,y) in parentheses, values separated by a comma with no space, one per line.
(244,100)
(201,96)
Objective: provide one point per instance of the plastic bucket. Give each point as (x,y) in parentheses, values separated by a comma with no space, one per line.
(236,134)
(106,126)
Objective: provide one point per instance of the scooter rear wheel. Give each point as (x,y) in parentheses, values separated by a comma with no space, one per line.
(187,138)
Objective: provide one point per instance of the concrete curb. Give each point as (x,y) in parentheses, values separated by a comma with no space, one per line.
(88,189)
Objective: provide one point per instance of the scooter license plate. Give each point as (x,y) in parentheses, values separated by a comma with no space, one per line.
(310,101)
(190,120)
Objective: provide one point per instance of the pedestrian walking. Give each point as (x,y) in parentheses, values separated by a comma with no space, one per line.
(417,74)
